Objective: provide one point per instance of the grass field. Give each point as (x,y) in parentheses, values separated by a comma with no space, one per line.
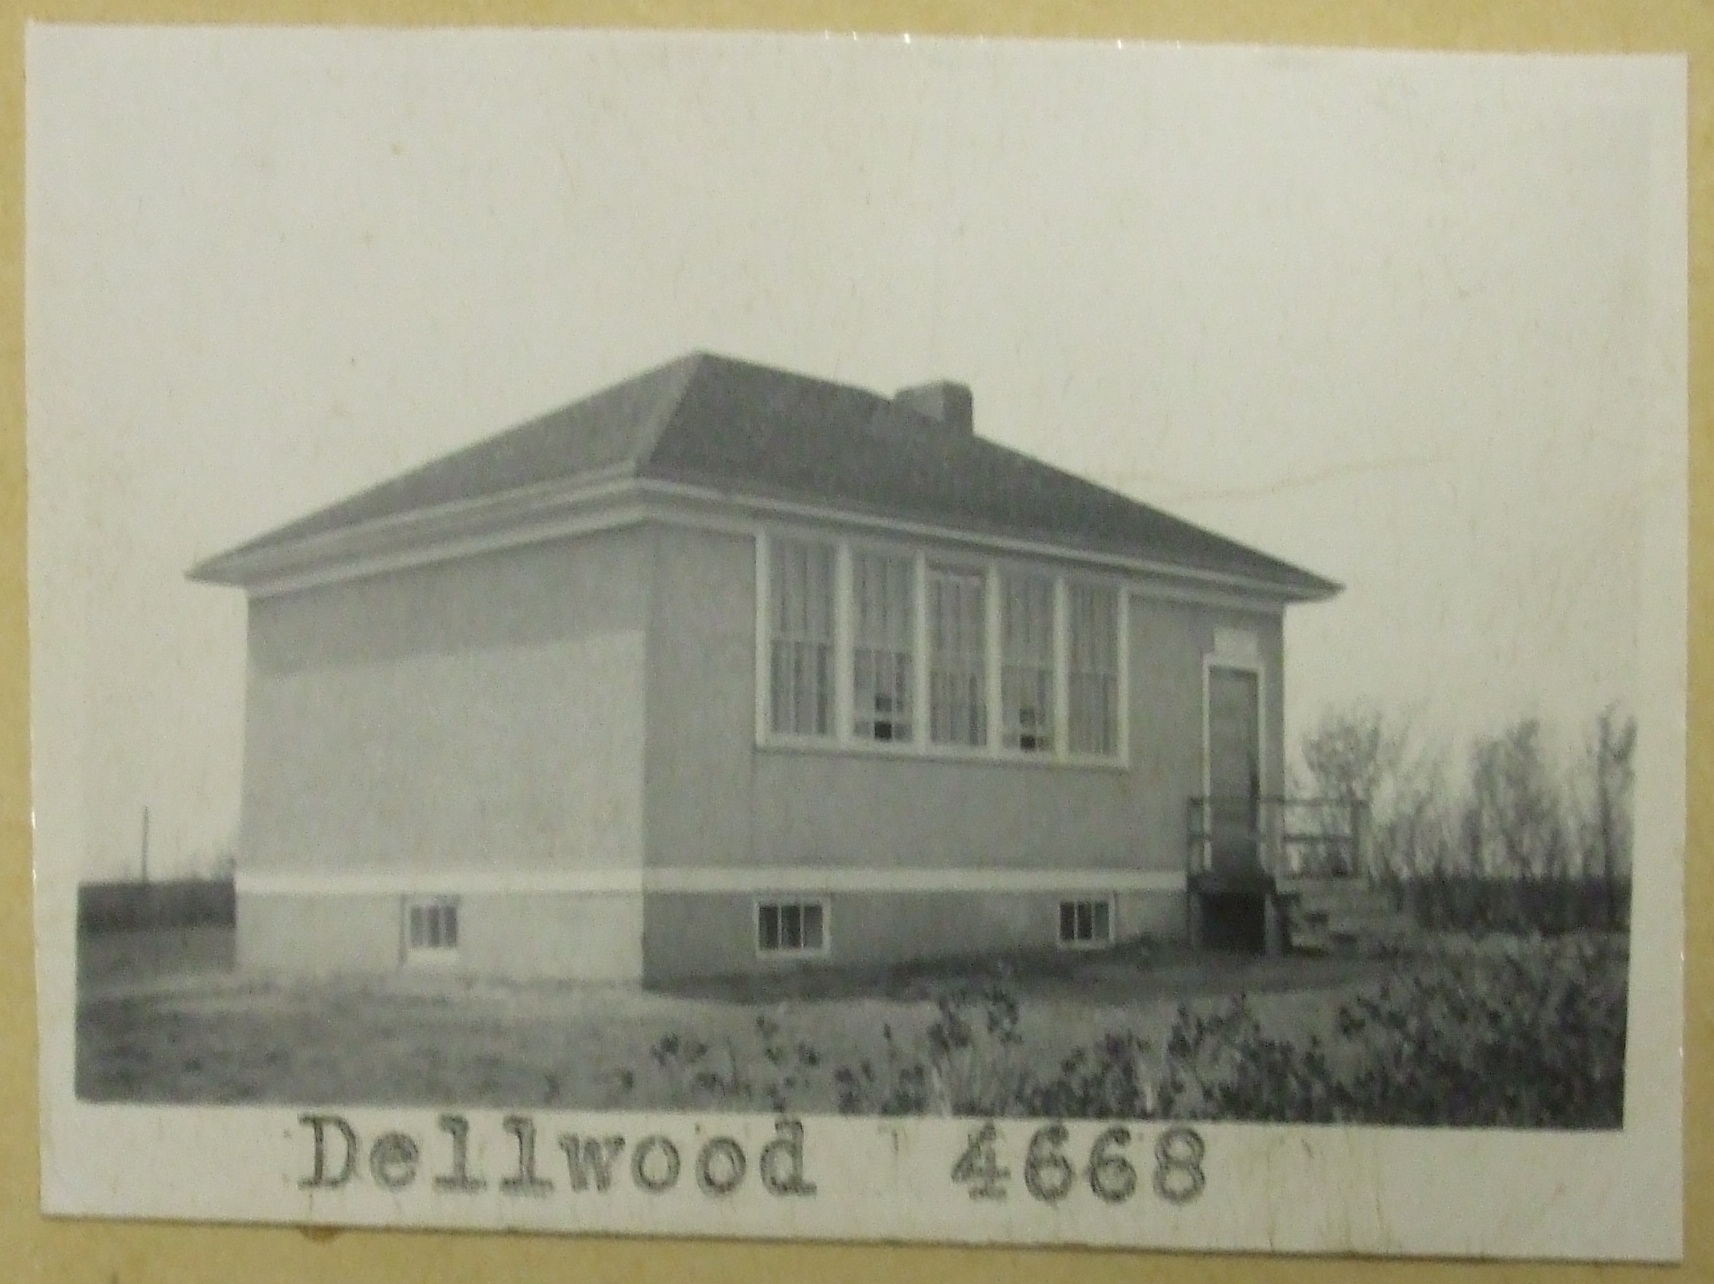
(163,1019)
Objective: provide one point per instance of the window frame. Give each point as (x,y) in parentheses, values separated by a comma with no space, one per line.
(852,554)
(925,559)
(1022,585)
(1108,902)
(1110,724)
(982,713)
(438,954)
(784,953)
(766,641)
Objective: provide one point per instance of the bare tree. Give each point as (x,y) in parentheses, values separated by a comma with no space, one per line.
(1516,809)
(1610,780)
(1351,753)
(1370,764)
(1532,837)
(1418,822)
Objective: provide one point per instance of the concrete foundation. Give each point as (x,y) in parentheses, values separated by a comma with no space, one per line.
(663,937)
(690,936)
(512,936)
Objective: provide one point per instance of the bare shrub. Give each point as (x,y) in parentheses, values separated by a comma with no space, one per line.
(698,1074)
(1517,1034)
(1525,1035)
(968,1062)
(1520,1032)
(1529,1034)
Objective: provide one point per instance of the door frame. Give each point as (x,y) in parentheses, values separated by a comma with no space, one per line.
(1211,661)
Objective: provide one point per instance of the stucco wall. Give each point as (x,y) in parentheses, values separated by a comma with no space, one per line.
(318,935)
(715,799)
(590,937)
(482,713)
(1170,644)
(591,704)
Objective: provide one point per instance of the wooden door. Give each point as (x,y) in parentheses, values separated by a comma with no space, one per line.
(1234,752)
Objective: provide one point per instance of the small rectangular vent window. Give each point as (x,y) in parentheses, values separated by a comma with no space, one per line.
(1086,923)
(791,927)
(431,928)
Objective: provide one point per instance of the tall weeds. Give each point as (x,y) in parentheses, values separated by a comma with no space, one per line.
(1515,1033)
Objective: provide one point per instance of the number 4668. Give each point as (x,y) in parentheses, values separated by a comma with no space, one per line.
(1050,1174)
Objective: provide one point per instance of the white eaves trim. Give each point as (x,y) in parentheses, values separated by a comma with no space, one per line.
(525,515)
(616,499)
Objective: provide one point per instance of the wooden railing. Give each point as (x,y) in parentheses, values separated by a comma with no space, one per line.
(1278,837)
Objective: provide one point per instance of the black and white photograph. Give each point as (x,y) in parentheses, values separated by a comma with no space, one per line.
(987,641)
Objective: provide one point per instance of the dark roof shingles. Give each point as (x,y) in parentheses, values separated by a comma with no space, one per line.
(750,429)
(747,427)
(611,429)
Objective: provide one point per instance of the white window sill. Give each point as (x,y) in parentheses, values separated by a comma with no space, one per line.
(431,961)
(907,751)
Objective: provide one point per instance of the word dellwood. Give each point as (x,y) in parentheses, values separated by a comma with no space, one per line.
(394,1160)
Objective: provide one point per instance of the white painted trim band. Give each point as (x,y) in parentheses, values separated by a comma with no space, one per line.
(1274,594)
(851,878)
(748,880)
(615,499)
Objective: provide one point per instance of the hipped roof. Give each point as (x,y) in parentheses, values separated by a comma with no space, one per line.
(751,431)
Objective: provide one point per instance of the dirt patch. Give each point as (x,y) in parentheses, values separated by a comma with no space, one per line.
(165,1020)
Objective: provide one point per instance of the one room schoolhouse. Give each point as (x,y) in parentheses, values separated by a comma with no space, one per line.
(726,668)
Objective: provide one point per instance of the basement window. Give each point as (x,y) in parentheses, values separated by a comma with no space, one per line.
(788,928)
(431,929)
(1086,923)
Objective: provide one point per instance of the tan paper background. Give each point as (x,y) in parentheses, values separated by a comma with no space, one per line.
(32,1249)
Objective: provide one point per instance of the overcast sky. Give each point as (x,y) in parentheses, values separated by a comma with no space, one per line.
(1407,321)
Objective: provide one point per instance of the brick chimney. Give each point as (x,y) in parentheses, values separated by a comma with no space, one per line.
(943,401)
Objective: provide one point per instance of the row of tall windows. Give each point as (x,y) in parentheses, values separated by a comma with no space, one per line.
(1038,657)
